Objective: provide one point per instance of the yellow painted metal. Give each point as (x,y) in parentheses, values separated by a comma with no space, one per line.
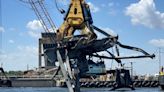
(161,73)
(74,20)
(75,16)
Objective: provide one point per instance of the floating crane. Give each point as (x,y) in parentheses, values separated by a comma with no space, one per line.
(64,46)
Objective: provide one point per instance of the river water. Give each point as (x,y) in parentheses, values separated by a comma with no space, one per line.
(57,89)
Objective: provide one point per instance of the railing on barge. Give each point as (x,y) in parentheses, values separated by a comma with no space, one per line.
(47,81)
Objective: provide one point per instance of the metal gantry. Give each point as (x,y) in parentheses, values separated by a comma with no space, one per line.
(43,15)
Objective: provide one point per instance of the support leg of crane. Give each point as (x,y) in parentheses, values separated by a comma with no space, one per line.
(65,74)
(68,64)
(76,74)
(123,79)
(76,78)
(77,83)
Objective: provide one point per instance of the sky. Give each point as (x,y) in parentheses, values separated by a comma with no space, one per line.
(138,23)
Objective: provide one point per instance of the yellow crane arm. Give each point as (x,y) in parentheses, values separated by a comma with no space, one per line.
(76,19)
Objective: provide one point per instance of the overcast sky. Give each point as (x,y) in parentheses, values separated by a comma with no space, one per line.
(138,23)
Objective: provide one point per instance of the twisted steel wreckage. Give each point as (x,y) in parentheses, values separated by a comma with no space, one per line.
(76,51)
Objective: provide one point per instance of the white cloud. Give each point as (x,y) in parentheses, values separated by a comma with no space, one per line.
(35,28)
(145,13)
(157,42)
(19,59)
(34,34)
(2,29)
(28,49)
(11,41)
(93,8)
(34,25)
